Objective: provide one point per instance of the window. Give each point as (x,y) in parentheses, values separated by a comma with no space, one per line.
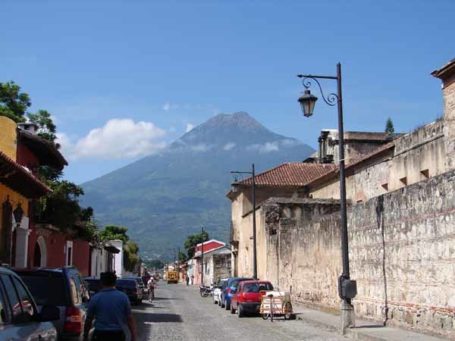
(69,252)
(25,299)
(14,302)
(404,181)
(3,310)
(74,292)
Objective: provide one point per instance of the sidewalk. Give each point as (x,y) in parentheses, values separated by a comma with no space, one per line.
(364,330)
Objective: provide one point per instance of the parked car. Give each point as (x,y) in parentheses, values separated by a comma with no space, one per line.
(64,288)
(217,291)
(231,285)
(141,285)
(247,298)
(93,285)
(131,288)
(19,315)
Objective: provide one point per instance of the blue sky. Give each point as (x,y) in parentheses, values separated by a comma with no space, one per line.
(123,78)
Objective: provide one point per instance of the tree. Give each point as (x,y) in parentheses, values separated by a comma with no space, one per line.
(46,126)
(194,239)
(111,232)
(389,129)
(13,102)
(182,256)
(130,249)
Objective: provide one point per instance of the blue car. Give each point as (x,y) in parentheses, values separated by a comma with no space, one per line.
(229,289)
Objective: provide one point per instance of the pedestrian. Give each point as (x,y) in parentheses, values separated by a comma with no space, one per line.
(111,310)
(192,279)
(187,279)
(151,287)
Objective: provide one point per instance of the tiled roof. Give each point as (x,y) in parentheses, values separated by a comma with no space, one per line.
(19,179)
(289,174)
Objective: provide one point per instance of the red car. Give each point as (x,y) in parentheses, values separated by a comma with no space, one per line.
(248,296)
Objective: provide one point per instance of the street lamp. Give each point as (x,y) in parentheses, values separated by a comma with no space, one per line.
(347,288)
(253,190)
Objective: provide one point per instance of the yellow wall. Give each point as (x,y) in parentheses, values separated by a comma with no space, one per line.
(14,198)
(8,137)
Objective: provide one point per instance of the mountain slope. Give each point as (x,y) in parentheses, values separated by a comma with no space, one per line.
(162,198)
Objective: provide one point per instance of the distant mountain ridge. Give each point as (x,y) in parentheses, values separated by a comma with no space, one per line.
(164,197)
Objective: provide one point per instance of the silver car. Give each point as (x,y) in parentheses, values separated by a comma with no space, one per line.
(218,290)
(19,316)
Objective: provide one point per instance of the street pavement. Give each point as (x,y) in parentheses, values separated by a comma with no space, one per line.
(180,313)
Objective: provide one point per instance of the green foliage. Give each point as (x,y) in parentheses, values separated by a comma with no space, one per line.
(130,249)
(13,102)
(154,264)
(61,207)
(389,129)
(182,256)
(130,255)
(194,239)
(46,127)
(111,232)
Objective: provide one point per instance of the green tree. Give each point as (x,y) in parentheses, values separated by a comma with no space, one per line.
(154,264)
(13,102)
(130,255)
(389,129)
(130,249)
(111,232)
(46,127)
(194,239)
(182,256)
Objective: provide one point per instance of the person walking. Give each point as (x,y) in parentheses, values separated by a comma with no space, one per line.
(111,310)
(187,279)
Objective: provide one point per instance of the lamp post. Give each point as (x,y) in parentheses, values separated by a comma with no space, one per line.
(347,288)
(253,194)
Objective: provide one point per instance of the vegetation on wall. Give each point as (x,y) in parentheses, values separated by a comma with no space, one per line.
(130,248)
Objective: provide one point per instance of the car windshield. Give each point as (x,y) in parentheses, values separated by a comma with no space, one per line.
(257,287)
(47,288)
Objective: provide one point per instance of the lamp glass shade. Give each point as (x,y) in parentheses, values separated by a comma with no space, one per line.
(307,102)
(18,214)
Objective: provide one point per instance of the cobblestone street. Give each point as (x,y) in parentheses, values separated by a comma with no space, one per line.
(179,313)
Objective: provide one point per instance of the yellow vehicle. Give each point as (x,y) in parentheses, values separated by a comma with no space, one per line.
(172,276)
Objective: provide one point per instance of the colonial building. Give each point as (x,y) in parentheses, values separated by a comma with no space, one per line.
(201,262)
(18,188)
(401,228)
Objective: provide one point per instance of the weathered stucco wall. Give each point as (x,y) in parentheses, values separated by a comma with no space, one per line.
(417,156)
(401,250)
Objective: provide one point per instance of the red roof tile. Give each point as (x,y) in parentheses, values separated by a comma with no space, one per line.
(289,174)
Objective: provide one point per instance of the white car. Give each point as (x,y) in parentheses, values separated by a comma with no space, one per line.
(218,290)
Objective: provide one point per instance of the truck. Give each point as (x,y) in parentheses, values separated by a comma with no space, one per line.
(172,276)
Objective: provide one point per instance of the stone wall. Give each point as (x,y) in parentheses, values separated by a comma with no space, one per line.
(401,250)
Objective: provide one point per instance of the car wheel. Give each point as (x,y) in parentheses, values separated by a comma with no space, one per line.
(240,312)
(232,309)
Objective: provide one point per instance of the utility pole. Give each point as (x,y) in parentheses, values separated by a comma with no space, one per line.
(202,257)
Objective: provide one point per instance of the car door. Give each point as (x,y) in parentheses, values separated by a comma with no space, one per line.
(20,313)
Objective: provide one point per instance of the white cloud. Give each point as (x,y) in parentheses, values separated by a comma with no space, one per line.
(229,146)
(169,106)
(117,139)
(265,148)
(189,126)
